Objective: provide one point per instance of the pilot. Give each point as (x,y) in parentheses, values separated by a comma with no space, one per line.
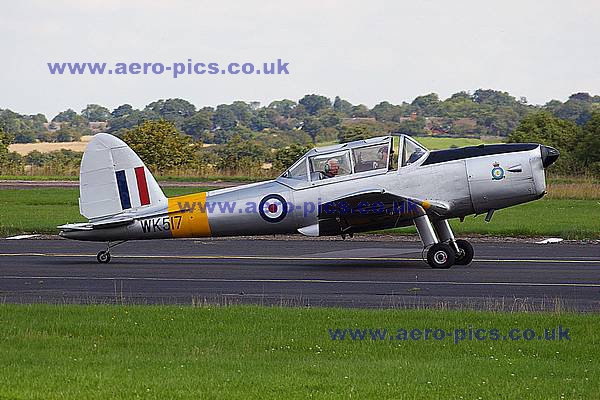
(331,168)
(385,158)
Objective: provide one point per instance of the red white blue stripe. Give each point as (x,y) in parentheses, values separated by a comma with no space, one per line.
(129,181)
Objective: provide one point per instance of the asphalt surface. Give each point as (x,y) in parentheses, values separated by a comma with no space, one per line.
(360,272)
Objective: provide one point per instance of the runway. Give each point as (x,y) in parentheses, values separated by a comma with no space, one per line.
(361,272)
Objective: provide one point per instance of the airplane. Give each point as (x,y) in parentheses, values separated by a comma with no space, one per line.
(365,185)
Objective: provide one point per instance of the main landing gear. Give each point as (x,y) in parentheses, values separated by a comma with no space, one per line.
(103,256)
(443,250)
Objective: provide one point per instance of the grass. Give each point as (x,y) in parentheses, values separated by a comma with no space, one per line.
(582,190)
(160,178)
(160,352)
(568,219)
(439,143)
(41,210)
(564,218)
(39,177)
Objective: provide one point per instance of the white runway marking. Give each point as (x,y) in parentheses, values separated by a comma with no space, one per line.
(324,281)
(302,258)
(19,237)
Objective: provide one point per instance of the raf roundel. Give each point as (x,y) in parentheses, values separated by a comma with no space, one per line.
(272,208)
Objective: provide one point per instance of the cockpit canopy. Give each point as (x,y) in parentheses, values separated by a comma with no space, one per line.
(364,157)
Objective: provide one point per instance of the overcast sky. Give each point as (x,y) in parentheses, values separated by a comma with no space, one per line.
(363,51)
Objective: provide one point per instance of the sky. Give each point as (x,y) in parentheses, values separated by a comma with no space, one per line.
(364,52)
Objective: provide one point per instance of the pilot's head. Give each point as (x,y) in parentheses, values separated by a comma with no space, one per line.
(383,153)
(332,167)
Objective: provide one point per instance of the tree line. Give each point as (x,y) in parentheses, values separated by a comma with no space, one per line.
(239,138)
(312,119)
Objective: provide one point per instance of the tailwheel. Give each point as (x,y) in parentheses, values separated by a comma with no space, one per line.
(103,257)
(465,254)
(440,255)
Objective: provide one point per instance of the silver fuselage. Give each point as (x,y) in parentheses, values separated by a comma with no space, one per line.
(462,178)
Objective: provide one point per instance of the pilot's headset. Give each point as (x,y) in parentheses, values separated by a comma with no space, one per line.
(327,167)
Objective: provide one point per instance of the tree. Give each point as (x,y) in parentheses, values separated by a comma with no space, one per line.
(588,149)
(283,107)
(385,111)
(329,118)
(199,125)
(173,110)
(544,128)
(22,128)
(25,137)
(312,126)
(413,128)
(72,119)
(286,156)
(314,102)
(263,119)
(493,97)
(243,112)
(4,142)
(240,155)
(342,106)
(361,111)
(575,109)
(129,118)
(68,115)
(67,134)
(95,113)
(354,132)
(224,117)
(122,111)
(160,145)
(428,104)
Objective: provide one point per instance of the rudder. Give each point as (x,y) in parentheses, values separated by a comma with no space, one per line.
(113,180)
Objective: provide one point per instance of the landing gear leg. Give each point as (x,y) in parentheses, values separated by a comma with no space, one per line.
(103,256)
(463,249)
(439,255)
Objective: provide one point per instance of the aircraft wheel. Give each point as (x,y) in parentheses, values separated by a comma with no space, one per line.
(103,257)
(440,255)
(466,252)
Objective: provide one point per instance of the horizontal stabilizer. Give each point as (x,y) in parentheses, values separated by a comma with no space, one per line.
(88,226)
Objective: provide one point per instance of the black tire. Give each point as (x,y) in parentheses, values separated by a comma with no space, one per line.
(103,257)
(467,252)
(440,256)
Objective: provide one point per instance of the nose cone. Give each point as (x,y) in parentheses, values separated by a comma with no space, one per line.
(549,155)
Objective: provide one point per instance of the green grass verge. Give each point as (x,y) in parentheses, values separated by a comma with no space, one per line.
(41,210)
(39,178)
(564,218)
(123,352)
(162,178)
(439,143)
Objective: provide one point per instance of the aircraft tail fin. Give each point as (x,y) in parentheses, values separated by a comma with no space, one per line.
(113,180)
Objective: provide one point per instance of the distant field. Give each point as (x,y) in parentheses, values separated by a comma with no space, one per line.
(41,210)
(168,352)
(43,147)
(439,143)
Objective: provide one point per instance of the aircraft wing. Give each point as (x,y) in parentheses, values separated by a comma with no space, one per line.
(372,209)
